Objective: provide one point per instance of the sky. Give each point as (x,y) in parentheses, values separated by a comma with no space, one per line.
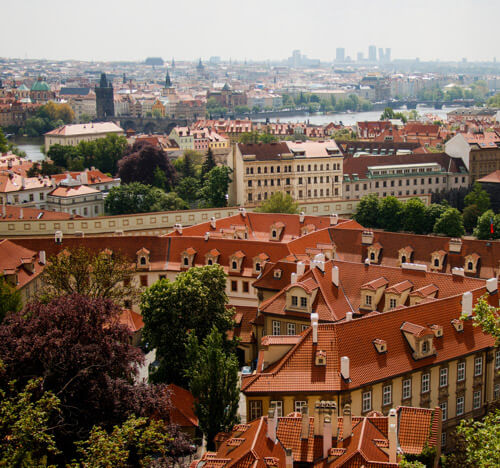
(114,30)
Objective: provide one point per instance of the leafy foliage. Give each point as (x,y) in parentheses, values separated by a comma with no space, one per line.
(367,211)
(414,215)
(479,197)
(4,144)
(194,302)
(140,163)
(48,117)
(389,114)
(450,223)
(215,187)
(137,442)
(389,216)
(139,198)
(279,202)
(103,153)
(84,356)
(208,163)
(25,420)
(105,274)
(213,380)
(487,317)
(470,216)
(10,299)
(483,227)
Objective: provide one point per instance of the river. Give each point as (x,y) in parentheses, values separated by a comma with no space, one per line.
(31,146)
(352,118)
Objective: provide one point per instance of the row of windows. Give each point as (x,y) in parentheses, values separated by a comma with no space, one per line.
(261,196)
(299,168)
(291,328)
(366,402)
(235,286)
(400,183)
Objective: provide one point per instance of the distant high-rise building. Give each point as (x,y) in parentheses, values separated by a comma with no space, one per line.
(381,55)
(105,105)
(296,58)
(388,54)
(340,54)
(372,53)
(359,57)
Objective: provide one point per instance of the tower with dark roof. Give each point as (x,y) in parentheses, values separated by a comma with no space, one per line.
(105,106)
(168,81)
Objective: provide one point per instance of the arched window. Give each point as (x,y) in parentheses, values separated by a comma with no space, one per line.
(372,256)
(186,261)
(257,266)
(470,266)
(234,265)
(436,262)
(403,258)
(210,262)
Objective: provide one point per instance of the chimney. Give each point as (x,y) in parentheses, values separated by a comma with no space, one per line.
(347,422)
(301,268)
(467,304)
(207,235)
(212,222)
(492,285)
(58,237)
(327,434)
(348,316)
(21,213)
(242,211)
(271,424)
(314,325)
(41,257)
(316,418)
(23,183)
(4,211)
(457,271)
(335,420)
(304,428)
(321,418)
(334,219)
(393,435)
(344,367)
(288,458)
(335,275)
(178,228)
(301,217)
(293,278)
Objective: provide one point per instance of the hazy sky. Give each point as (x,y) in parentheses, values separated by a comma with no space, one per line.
(252,29)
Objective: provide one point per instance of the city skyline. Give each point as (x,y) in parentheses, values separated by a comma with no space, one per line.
(263,32)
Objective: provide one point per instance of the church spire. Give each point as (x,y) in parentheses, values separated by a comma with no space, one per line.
(168,81)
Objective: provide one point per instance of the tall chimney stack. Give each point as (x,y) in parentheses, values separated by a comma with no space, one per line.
(301,217)
(393,435)
(335,275)
(271,424)
(327,434)
(288,458)
(301,268)
(314,325)
(316,418)
(347,422)
(304,429)
(335,420)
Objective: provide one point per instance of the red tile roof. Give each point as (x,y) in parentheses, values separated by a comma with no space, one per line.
(182,412)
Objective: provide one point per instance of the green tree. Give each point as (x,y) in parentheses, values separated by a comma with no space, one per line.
(432,214)
(136,442)
(188,189)
(187,166)
(140,198)
(216,187)
(494,101)
(389,114)
(483,227)
(367,211)
(208,164)
(390,214)
(10,299)
(487,317)
(78,270)
(25,420)
(479,197)
(470,216)
(279,202)
(160,179)
(413,213)
(482,440)
(4,144)
(450,223)
(195,301)
(213,380)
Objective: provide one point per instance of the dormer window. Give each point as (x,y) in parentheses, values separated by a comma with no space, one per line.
(236,261)
(143,258)
(303,302)
(471,262)
(374,252)
(257,266)
(405,255)
(277,274)
(276,230)
(368,300)
(419,338)
(437,259)
(425,347)
(320,358)
(212,257)
(187,257)
(380,345)
(393,303)
(258,262)
(295,301)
